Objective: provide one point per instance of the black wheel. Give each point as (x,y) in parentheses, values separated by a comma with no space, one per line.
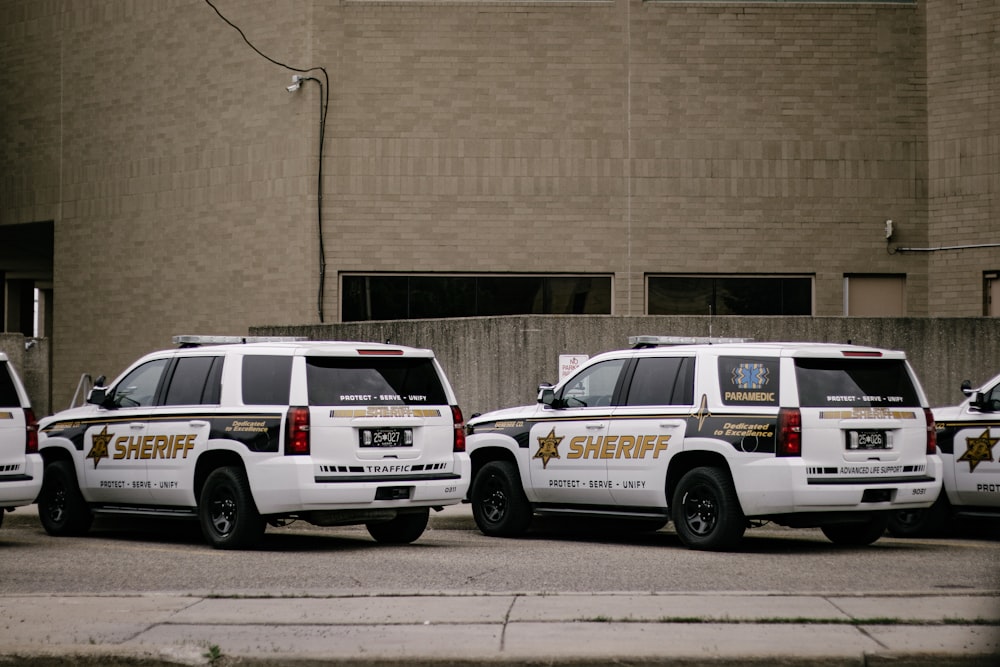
(499,505)
(706,511)
(61,507)
(228,515)
(858,533)
(921,523)
(405,528)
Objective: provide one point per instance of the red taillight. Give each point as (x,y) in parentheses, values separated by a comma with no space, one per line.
(789,433)
(931,432)
(31,427)
(380,353)
(861,353)
(459,421)
(297,431)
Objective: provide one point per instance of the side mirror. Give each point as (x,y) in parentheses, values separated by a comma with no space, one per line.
(547,395)
(99,394)
(967,387)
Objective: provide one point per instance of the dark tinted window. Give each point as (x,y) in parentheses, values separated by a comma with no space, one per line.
(194,382)
(138,388)
(730,295)
(881,383)
(266,379)
(381,297)
(749,380)
(662,381)
(8,393)
(373,381)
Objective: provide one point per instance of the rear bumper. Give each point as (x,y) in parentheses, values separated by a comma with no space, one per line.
(291,484)
(782,486)
(22,488)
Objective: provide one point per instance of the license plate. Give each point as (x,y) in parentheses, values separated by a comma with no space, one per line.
(868,440)
(386,437)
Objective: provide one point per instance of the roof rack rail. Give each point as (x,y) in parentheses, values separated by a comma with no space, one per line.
(196,341)
(639,342)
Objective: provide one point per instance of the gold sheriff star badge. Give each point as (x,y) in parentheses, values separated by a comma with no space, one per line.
(979,449)
(548,447)
(99,446)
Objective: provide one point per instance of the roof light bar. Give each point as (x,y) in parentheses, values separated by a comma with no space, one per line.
(656,341)
(195,341)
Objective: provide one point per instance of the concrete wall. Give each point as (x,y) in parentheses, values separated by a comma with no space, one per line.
(498,362)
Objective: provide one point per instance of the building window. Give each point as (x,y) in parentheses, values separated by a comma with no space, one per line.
(874,295)
(404,297)
(729,295)
(991,293)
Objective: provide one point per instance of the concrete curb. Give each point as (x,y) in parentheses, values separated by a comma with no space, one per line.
(503,629)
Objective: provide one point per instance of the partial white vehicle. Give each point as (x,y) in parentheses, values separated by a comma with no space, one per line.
(716,437)
(242,434)
(20,463)
(967,436)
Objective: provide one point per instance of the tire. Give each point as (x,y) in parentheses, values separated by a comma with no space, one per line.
(499,505)
(61,507)
(706,511)
(933,520)
(858,533)
(227,512)
(405,528)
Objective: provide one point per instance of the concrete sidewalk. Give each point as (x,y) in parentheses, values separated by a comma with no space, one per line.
(508,629)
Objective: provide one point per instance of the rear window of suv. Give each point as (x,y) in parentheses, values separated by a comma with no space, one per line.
(876,383)
(373,381)
(8,393)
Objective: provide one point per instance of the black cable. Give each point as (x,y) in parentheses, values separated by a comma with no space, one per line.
(324,89)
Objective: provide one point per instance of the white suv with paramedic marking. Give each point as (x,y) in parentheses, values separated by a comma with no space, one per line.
(241,435)
(967,437)
(20,464)
(715,437)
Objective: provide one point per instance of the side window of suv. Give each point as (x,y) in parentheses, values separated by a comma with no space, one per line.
(267,380)
(195,381)
(594,386)
(662,381)
(138,388)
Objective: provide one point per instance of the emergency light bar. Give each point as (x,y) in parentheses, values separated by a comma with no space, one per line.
(639,342)
(195,341)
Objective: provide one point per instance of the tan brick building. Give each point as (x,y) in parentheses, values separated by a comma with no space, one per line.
(601,156)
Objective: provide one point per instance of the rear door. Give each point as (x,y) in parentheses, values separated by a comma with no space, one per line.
(377,416)
(862,419)
(650,421)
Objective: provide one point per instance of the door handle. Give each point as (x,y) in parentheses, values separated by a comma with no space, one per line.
(136,426)
(197,423)
(595,427)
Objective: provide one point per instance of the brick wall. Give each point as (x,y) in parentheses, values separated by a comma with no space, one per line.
(618,137)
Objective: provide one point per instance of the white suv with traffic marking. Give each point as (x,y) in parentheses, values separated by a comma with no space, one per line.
(715,437)
(241,435)
(20,464)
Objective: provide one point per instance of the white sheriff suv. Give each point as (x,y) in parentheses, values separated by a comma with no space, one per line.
(715,436)
(20,464)
(239,435)
(967,438)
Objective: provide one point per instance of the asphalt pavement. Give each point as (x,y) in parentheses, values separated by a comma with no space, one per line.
(523,628)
